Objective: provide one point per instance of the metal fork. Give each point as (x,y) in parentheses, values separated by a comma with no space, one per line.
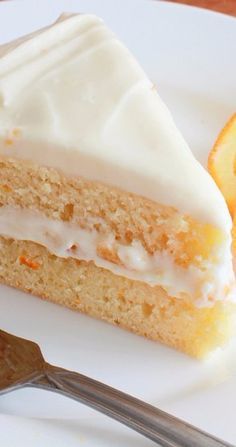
(22,365)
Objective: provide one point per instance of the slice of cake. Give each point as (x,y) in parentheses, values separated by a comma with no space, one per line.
(104,209)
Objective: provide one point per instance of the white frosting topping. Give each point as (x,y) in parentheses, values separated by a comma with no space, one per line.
(73,97)
(64,239)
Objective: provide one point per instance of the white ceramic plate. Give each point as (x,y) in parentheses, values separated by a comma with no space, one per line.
(190,54)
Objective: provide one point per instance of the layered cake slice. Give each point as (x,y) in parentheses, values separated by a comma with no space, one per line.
(104,209)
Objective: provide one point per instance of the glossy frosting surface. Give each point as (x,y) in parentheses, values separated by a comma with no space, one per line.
(74,98)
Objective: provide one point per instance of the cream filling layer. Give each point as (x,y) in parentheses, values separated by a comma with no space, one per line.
(66,240)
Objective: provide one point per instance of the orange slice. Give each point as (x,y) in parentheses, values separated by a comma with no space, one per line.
(222,163)
(234,240)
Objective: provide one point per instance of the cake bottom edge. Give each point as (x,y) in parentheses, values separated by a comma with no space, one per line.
(133,305)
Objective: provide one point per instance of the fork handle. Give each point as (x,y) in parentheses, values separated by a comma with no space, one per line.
(155,424)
